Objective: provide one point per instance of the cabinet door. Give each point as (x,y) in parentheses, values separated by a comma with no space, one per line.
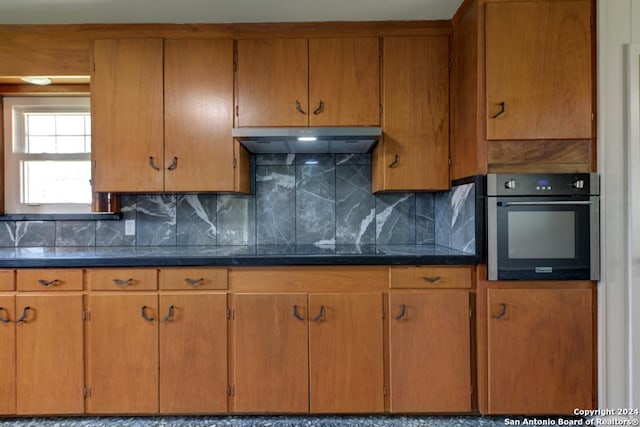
(414,153)
(344,82)
(7,356)
(270,366)
(193,353)
(123,353)
(540,350)
(272,78)
(198,105)
(539,65)
(346,353)
(50,354)
(430,352)
(127,115)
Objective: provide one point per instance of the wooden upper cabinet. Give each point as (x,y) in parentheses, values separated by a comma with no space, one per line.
(540,350)
(414,152)
(344,82)
(539,66)
(127,115)
(316,82)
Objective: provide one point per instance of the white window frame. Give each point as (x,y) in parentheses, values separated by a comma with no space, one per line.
(14,107)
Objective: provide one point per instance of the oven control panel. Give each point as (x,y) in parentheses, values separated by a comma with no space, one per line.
(581,184)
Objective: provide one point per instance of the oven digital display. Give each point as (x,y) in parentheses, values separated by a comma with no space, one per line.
(543,182)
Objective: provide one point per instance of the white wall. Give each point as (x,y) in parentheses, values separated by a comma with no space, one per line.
(619,363)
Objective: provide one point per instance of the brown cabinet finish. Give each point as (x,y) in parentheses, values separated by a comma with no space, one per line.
(7,280)
(271,364)
(7,355)
(115,279)
(50,349)
(127,115)
(201,278)
(193,352)
(429,277)
(430,351)
(44,279)
(539,65)
(414,151)
(540,350)
(123,353)
(346,353)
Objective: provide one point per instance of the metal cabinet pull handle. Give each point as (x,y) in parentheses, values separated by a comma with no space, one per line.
(174,164)
(121,282)
(502,313)
(395,162)
(153,164)
(48,283)
(194,282)
(25,313)
(143,311)
(2,319)
(432,279)
(320,108)
(320,315)
(299,108)
(169,315)
(501,112)
(403,313)
(296,314)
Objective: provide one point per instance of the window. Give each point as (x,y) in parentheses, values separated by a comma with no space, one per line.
(47,155)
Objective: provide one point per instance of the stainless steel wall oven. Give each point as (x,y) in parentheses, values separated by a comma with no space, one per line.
(543,227)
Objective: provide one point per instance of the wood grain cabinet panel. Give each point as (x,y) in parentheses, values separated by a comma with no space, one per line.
(414,151)
(114,279)
(193,278)
(7,280)
(538,63)
(7,355)
(50,354)
(430,277)
(430,352)
(43,279)
(540,350)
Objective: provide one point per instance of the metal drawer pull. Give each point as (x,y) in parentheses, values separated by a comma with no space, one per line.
(395,162)
(144,314)
(169,315)
(153,164)
(296,314)
(502,313)
(25,313)
(501,112)
(403,313)
(320,315)
(299,108)
(2,319)
(194,282)
(46,283)
(552,203)
(432,279)
(174,164)
(120,282)
(320,108)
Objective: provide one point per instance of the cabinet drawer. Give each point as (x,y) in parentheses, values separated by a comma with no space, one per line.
(175,279)
(7,280)
(430,277)
(118,279)
(54,279)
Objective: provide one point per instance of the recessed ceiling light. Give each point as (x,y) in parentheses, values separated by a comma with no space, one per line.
(40,81)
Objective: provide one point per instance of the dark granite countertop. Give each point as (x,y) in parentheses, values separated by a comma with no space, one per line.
(267,255)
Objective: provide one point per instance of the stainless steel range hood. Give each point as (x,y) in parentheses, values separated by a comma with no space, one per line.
(308,139)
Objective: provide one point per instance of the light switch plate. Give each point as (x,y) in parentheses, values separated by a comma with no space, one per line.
(129,227)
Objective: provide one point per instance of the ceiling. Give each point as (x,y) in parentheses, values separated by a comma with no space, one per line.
(220,11)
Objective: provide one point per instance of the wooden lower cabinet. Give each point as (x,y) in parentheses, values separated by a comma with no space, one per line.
(7,355)
(430,351)
(539,350)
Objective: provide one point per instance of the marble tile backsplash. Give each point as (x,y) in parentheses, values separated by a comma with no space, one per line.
(299,199)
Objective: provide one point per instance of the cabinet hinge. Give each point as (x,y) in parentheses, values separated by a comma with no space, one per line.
(593,116)
(86,391)
(380,108)
(384,313)
(231,314)
(471,390)
(235,163)
(231,390)
(86,315)
(236,111)
(470,313)
(380,51)
(94,67)
(450,162)
(384,390)
(450,63)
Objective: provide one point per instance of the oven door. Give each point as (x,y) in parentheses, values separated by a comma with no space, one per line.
(543,238)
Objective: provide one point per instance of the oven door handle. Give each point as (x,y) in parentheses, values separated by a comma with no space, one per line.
(559,202)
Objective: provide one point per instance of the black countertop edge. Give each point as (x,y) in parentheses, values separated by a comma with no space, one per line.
(242,261)
(89,216)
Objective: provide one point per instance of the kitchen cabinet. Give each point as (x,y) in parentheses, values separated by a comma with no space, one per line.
(540,346)
(162,115)
(539,70)
(327,358)
(414,151)
(7,355)
(308,82)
